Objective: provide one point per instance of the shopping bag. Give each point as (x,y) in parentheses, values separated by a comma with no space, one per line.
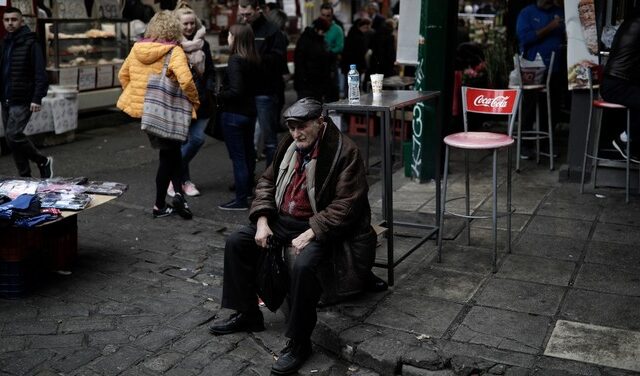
(166,112)
(273,277)
(532,72)
(214,127)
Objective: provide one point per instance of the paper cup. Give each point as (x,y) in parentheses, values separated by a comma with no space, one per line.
(376,84)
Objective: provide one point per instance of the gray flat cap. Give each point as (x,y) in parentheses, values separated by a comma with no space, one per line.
(303,110)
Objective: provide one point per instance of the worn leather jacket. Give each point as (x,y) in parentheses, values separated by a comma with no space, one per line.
(342,218)
(624,59)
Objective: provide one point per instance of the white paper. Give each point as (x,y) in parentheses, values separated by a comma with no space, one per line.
(68,77)
(580,32)
(104,77)
(86,78)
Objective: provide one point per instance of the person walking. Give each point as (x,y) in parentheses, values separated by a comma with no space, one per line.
(271,46)
(334,37)
(356,46)
(203,72)
(312,62)
(239,112)
(23,80)
(147,57)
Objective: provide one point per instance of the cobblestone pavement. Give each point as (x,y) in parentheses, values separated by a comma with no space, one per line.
(142,292)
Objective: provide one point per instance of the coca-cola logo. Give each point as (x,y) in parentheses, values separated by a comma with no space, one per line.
(496,102)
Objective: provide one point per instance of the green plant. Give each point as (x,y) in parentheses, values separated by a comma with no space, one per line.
(498,58)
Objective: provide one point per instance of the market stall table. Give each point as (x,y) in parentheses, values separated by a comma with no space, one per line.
(386,104)
(59,114)
(27,253)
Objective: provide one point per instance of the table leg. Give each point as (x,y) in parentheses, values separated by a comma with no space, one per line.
(387,192)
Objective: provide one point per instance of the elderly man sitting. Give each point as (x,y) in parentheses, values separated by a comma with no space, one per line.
(313,196)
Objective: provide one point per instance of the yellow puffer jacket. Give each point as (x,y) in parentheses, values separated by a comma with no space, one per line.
(147,58)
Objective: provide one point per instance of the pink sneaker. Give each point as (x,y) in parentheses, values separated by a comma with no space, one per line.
(190,189)
(170,190)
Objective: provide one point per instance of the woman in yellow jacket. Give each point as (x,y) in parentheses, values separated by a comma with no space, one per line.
(147,57)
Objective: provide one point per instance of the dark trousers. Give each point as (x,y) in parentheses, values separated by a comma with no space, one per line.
(238,136)
(624,92)
(15,119)
(241,260)
(169,170)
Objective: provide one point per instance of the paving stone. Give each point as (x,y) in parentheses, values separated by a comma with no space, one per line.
(569,209)
(100,339)
(613,233)
(162,362)
(384,352)
(10,309)
(24,362)
(501,356)
(156,338)
(138,324)
(465,259)
(549,246)
(438,283)
(227,365)
(595,344)
(483,238)
(191,319)
(88,324)
(191,341)
(12,343)
(69,362)
(537,269)
(180,372)
(116,308)
(503,329)
(521,296)
(607,278)
(38,326)
(408,370)
(562,227)
(518,221)
(627,255)
(54,341)
(592,307)
(624,214)
(198,360)
(416,314)
(119,361)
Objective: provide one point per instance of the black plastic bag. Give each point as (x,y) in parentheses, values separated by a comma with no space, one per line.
(273,276)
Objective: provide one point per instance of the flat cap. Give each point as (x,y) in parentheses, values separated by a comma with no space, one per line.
(303,110)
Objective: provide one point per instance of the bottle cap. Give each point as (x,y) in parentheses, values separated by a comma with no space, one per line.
(352,66)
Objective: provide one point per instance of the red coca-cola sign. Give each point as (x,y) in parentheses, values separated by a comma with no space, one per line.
(490,101)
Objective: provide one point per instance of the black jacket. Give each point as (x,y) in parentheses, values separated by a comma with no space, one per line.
(206,84)
(271,45)
(238,87)
(23,78)
(624,59)
(312,75)
(356,45)
(383,52)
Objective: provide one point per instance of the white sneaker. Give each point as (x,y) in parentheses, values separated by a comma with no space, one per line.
(190,189)
(170,190)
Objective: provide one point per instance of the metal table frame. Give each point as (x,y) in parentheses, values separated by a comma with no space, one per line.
(390,101)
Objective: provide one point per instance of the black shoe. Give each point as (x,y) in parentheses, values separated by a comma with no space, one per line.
(293,357)
(46,169)
(181,207)
(375,284)
(234,205)
(166,211)
(239,322)
(621,147)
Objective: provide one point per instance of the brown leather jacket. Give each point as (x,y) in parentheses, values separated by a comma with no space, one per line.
(343,215)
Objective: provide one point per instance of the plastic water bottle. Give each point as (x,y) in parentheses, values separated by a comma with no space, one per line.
(353,80)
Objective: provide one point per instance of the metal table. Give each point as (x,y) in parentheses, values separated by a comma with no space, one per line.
(390,101)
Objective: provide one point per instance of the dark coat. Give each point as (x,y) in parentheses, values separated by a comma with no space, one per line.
(206,84)
(343,218)
(624,60)
(355,48)
(383,52)
(312,60)
(23,79)
(271,45)
(238,87)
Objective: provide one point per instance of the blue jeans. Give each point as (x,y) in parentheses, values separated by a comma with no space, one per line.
(194,142)
(268,117)
(238,136)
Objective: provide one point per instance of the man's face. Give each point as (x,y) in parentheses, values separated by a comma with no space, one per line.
(12,21)
(305,134)
(544,4)
(247,14)
(327,14)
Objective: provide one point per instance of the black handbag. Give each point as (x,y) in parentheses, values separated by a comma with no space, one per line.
(214,127)
(273,276)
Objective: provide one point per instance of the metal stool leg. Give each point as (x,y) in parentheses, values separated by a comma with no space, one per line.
(509,199)
(586,149)
(628,165)
(537,133)
(494,214)
(518,135)
(596,149)
(550,129)
(443,201)
(466,195)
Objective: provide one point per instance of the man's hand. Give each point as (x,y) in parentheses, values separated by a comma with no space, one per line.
(35,107)
(555,23)
(303,240)
(263,232)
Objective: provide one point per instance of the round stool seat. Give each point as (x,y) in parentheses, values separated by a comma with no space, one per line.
(478,140)
(605,104)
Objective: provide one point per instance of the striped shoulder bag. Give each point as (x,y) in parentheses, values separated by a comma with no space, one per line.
(166,112)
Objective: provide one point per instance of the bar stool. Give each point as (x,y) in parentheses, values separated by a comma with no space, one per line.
(535,134)
(598,103)
(488,102)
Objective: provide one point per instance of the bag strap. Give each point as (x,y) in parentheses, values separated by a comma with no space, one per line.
(167,57)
